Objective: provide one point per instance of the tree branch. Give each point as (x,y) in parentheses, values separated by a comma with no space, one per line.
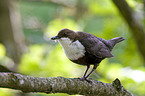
(134,23)
(62,85)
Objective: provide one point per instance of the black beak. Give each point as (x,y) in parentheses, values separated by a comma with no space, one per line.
(54,38)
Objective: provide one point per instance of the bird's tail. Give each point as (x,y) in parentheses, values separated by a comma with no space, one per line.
(112,42)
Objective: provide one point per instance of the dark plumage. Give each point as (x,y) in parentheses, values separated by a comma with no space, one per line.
(84,48)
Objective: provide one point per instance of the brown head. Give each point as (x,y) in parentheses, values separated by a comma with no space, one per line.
(65,33)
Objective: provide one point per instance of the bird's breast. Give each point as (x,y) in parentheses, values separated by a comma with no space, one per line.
(73,50)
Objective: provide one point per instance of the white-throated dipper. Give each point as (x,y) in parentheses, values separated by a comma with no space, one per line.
(85,49)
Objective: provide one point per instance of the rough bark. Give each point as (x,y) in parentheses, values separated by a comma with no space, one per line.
(134,23)
(62,85)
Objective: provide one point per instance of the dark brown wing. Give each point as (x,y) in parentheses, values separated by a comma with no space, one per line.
(95,47)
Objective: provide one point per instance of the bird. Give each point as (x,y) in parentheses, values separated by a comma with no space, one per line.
(85,49)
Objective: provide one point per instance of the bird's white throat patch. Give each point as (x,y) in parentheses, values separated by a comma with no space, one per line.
(73,50)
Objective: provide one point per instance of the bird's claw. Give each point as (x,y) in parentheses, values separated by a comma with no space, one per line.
(85,79)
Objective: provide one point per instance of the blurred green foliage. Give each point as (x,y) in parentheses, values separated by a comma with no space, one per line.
(45,58)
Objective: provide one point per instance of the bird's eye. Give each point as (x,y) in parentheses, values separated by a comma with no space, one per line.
(65,34)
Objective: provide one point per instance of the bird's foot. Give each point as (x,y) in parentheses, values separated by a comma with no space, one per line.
(82,78)
(85,79)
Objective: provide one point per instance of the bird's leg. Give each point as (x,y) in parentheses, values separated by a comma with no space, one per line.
(94,68)
(83,78)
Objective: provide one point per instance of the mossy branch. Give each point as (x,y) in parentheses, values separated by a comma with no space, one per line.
(61,85)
